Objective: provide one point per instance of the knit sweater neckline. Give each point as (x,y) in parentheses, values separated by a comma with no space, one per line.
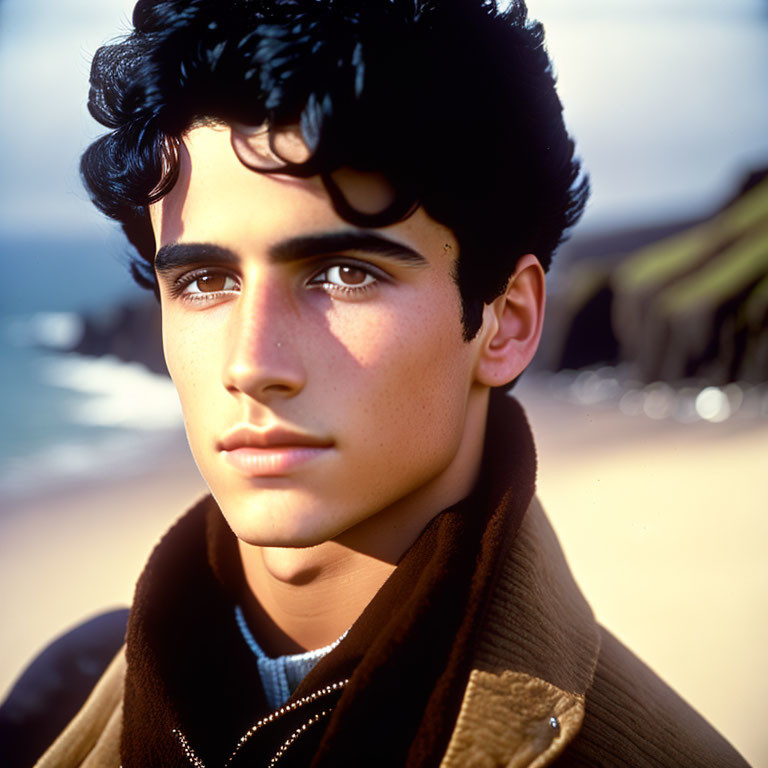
(280,675)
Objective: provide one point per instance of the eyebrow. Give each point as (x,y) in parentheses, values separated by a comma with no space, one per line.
(299,248)
(176,255)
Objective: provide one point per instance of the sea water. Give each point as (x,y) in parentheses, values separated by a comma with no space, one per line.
(67,418)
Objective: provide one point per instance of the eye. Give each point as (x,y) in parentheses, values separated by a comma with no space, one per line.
(199,285)
(349,276)
(347,279)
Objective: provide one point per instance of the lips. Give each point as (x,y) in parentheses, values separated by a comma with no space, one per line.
(273,452)
(274,437)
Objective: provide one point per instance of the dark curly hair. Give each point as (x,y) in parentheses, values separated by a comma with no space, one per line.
(453,100)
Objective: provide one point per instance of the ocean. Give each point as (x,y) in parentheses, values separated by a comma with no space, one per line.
(68,418)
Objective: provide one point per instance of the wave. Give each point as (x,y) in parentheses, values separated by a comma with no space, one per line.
(119,394)
(75,462)
(103,418)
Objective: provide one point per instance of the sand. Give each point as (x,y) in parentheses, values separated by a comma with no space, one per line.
(664,525)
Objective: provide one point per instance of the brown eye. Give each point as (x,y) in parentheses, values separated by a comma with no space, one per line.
(213,283)
(347,276)
(352,275)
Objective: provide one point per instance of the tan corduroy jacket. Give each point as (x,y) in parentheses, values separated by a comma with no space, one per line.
(548,686)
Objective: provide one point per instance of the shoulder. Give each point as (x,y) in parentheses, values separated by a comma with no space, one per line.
(549,686)
(55,685)
(633,718)
(630,716)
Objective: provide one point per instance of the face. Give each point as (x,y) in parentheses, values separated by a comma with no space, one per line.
(320,367)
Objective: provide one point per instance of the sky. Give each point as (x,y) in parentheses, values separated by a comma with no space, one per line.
(666,99)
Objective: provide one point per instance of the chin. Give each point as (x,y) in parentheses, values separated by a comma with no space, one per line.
(284,539)
(284,525)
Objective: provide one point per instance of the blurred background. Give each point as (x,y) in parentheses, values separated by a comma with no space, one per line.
(649,397)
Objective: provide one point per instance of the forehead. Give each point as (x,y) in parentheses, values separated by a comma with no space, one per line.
(219,199)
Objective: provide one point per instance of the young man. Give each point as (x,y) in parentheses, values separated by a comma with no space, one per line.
(346,209)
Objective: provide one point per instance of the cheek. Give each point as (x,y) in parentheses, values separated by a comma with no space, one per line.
(192,361)
(416,338)
(409,374)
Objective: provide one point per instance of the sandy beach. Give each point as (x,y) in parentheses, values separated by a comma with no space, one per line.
(664,525)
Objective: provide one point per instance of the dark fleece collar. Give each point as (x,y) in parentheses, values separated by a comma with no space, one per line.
(193,688)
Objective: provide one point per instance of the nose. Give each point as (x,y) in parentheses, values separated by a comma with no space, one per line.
(263,358)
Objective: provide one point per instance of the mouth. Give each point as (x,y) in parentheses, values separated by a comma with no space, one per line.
(272,452)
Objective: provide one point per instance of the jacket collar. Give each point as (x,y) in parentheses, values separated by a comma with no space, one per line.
(533,663)
(520,678)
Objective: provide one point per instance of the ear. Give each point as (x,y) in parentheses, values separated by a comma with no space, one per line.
(511,326)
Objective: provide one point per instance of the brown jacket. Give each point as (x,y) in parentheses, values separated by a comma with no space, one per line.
(547,686)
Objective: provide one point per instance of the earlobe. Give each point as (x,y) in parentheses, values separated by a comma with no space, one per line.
(512,325)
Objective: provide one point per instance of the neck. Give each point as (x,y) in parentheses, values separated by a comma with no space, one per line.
(302,599)
(302,602)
